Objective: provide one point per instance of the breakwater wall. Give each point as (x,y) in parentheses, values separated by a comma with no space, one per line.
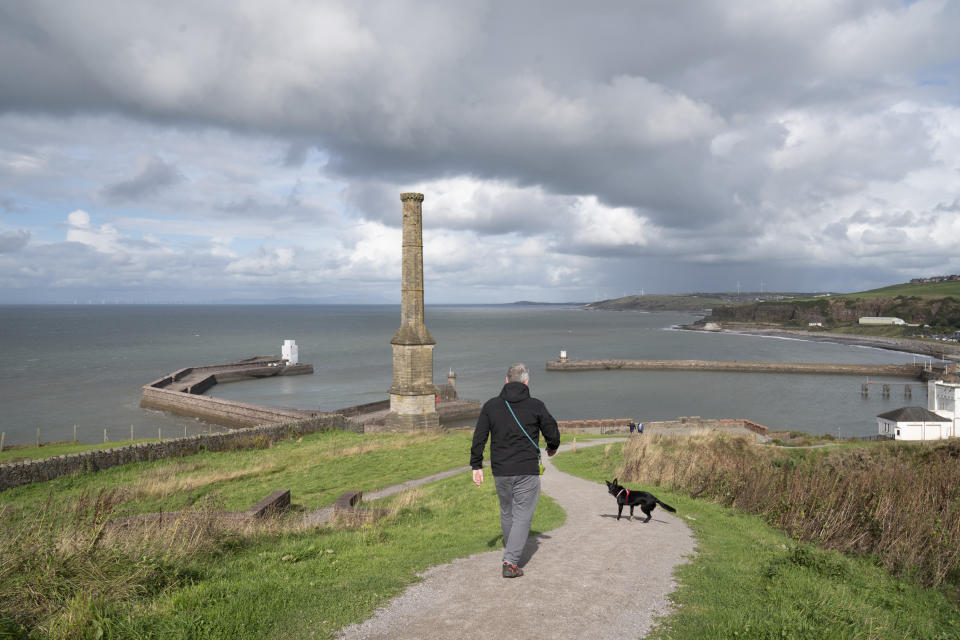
(680,426)
(21,473)
(182,391)
(893,370)
(217,410)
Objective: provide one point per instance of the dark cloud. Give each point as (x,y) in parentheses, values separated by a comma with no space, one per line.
(11,241)
(687,139)
(7,205)
(296,154)
(154,176)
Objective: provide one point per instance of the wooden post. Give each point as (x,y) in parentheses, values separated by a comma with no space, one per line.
(865,389)
(3,436)
(131,433)
(159,433)
(907,391)
(574,445)
(184,431)
(886,391)
(74,433)
(104,435)
(38,436)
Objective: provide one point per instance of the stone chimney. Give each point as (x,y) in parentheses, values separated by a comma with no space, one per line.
(413,394)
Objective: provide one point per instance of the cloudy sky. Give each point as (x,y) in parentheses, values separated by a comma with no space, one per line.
(253,151)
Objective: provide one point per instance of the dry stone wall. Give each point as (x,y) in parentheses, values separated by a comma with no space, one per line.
(21,473)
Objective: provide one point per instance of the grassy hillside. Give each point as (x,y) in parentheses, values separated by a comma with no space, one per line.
(750,580)
(63,576)
(658,302)
(934,304)
(931,290)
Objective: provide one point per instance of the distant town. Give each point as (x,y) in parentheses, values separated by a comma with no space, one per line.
(931,279)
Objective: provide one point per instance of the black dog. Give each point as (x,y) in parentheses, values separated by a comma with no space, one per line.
(625,497)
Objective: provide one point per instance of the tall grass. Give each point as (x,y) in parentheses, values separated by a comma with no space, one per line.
(66,573)
(898,502)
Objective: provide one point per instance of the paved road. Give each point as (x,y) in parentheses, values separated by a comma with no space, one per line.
(594,577)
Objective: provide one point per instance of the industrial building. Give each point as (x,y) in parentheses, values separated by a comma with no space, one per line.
(881,320)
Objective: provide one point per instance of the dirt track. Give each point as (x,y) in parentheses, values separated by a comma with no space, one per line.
(594,577)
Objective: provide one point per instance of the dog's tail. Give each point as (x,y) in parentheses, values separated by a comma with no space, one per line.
(665,506)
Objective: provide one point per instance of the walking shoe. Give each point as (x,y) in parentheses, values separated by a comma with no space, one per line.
(511,570)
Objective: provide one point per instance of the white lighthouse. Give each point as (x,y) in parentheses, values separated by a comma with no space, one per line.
(289,352)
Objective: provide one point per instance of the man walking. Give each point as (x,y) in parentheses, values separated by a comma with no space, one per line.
(514,421)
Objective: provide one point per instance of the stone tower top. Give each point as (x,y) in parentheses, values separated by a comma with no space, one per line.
(412,328)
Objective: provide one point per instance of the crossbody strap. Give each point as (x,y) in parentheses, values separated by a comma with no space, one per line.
(522,430)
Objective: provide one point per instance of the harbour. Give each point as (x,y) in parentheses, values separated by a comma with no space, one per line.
(85,365)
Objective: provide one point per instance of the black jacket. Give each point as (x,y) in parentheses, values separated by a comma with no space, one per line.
(511,454)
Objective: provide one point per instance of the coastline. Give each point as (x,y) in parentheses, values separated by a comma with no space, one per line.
(935,349)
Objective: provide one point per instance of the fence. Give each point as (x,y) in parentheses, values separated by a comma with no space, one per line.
(110,434)
(20,473)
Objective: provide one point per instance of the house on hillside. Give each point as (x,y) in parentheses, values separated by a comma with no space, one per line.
(943,398)
(914,423)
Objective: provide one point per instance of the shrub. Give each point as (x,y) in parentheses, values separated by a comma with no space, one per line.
(898,502)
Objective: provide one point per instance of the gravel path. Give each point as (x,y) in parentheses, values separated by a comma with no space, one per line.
(593,577)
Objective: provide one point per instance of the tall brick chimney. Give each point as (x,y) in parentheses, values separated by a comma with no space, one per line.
(413,394)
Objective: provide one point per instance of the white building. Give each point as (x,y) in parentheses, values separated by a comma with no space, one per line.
(289,352)
(943,398)
(914,423)
(881,320)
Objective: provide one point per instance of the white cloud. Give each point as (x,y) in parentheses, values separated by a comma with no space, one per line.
(105,238)
(557,146)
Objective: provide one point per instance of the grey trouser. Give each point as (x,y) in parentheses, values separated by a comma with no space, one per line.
(518,498)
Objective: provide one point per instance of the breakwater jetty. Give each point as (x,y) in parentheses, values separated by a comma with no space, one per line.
(893,370)
(182,391)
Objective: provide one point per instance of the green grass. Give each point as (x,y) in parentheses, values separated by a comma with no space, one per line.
(309,585)
(57,579)
(316,470)
(931,290)
(749,581)
(49,450)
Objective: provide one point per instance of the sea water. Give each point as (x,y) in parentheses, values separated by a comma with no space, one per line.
(84,365)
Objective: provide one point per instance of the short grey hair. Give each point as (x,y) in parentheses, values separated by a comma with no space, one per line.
(518,373)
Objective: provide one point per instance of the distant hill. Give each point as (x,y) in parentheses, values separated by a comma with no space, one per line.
(936,304)
(659,302)
(921,289)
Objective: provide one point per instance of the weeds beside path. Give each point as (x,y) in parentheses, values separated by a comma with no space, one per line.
(751,582)
(593,577)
